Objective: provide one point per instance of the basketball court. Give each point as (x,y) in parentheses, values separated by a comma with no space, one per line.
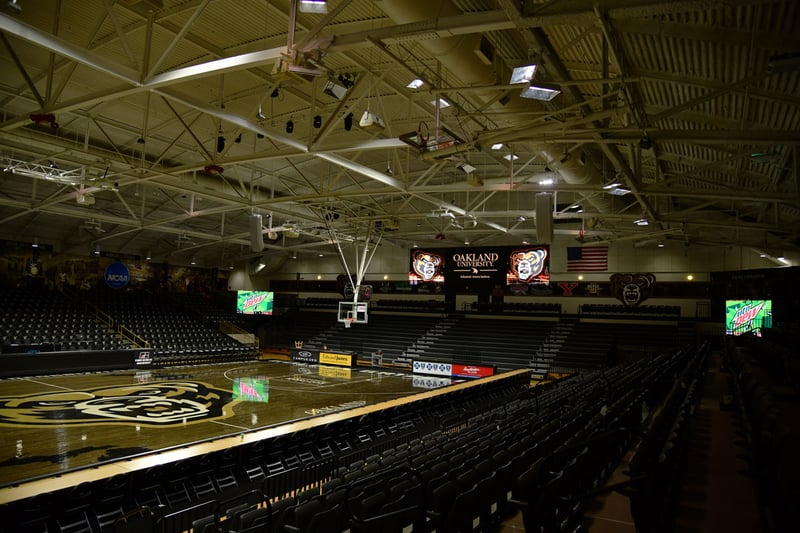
(62,429)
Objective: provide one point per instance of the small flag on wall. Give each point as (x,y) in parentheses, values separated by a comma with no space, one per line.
(587,259)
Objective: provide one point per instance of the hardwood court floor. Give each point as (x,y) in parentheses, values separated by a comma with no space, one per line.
(50,425)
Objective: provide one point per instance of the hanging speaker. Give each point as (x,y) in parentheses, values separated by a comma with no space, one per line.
(256,233)
(544,218)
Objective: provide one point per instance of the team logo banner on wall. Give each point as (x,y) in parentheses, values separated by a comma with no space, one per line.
(426,267)
(632,289)
(432,368)
(528,265)
(498,265)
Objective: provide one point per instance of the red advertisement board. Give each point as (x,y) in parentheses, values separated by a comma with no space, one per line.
(472,371)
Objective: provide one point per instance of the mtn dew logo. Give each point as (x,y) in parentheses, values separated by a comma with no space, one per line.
(746,316)
(254,302)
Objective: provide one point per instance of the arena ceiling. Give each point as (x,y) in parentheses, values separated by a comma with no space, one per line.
(161,127)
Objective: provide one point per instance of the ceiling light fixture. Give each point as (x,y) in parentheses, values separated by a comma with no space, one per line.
(442,103)
(334,90)
(523,74)
(620,191)
(289,126)
(497,146)
(511,157)
(415,84)
(641,221)
(314,6)
(466,168)
(539,93)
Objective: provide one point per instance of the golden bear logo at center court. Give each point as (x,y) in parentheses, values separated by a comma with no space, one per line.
(156,404)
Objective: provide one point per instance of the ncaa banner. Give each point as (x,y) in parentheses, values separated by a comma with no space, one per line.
(117,275)
(432,368)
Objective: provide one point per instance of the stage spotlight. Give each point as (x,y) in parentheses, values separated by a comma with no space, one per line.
(220,143)
(317,121)
(289,126)
(348,122)
(238,139)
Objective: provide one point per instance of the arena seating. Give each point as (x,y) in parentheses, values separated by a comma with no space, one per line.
(38,320)
(545,450)
(176,337)
(627,311)
(771,438)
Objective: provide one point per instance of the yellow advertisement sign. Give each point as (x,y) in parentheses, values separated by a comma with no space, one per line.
(338,359)
(330,372)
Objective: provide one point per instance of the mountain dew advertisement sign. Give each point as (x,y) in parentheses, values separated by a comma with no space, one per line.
(254,302)
(747,316)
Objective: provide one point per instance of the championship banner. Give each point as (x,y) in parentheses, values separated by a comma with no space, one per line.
(472,371)
(432,368)
(305,356)
(337,359)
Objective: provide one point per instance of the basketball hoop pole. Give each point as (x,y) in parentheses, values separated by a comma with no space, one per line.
(363,258)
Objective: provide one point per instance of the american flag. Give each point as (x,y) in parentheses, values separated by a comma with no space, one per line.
(587,259)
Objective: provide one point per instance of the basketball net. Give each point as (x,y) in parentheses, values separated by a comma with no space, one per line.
(347,322)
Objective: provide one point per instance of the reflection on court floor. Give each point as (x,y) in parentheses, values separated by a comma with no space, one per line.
(52,424)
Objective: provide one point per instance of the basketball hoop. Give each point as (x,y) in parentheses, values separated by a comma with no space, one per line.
(348,321)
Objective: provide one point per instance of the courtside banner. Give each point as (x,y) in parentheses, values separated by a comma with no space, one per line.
(472,371)
(305,356)
(334,372)
(337,359)
(432,368)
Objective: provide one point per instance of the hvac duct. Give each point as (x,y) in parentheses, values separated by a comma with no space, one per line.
(575,171)
(544,218)
(460,54)
(256,233)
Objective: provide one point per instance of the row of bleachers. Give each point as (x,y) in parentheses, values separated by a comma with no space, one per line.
(771,438)
(527,308)
(422,306)
(176,337)
(507,343)
(33,318)
(390,334)
(642,311)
